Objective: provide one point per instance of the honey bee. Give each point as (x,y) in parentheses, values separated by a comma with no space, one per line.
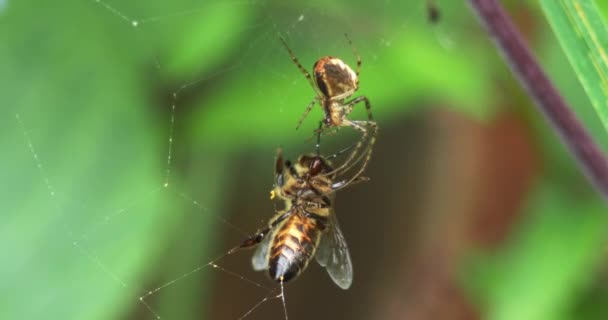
(334,82)
(307,227)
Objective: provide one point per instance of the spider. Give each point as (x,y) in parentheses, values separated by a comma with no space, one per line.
(334,82)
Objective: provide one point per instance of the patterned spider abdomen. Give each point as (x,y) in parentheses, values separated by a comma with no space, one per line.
(334,78)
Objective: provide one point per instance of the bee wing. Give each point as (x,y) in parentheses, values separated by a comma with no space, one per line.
(333,255)
(259,261)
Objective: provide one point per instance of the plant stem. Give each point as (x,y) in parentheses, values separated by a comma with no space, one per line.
(590,158)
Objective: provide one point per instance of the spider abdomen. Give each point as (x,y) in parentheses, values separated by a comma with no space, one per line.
(334,78)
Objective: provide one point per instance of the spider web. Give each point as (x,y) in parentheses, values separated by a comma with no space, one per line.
(115,194)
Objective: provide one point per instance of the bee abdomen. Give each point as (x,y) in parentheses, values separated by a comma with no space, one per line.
(286,266)
(292,250)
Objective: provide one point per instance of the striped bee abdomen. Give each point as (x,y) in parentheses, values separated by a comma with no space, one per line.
(293,246)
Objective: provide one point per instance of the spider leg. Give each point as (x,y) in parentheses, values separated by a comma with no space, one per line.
(368,106)
(366,155)
(306,112)
(328,130)
(343,183)
(359,125)
(356,150)
(298,64)
(340,152)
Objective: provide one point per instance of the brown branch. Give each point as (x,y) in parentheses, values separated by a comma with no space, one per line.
(590,158)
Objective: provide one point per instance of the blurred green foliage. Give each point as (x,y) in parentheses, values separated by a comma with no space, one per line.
(87,100)
(544,269)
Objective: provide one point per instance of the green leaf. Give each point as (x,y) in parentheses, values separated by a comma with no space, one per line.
(583,35)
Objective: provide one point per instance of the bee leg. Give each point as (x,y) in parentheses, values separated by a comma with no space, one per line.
(253,240)
(306,112)
(259,236)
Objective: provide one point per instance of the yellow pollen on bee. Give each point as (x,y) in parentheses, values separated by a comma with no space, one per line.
(272,194)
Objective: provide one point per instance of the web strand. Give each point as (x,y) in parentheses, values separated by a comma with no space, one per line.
(283,299)
(34,154)
(258,304)
(94,258)
(170,140)
(89,254)
(223,220)
(211,264)
(107,219)
(117,13)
